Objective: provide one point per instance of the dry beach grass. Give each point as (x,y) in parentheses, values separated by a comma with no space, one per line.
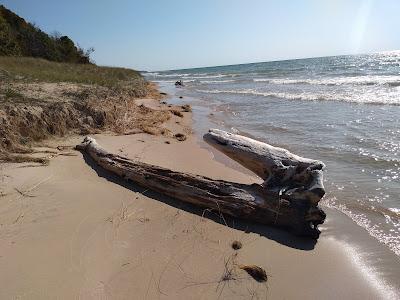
(40,99)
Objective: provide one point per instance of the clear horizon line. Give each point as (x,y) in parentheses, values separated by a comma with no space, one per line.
(269,61)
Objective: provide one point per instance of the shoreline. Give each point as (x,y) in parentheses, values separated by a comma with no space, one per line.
(377,261)
(90,235)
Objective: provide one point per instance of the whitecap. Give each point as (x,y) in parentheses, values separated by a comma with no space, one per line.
(392,81)
(216,81)
(366,98)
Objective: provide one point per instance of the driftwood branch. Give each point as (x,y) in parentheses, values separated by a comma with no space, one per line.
(269,204)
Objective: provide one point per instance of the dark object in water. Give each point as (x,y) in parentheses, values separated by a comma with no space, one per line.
(179,83)
(162,93)
(256,272)
(236,245)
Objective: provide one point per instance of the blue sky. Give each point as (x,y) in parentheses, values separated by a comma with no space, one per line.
(173,34)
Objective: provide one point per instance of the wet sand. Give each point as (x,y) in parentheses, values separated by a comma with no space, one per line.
(71,230)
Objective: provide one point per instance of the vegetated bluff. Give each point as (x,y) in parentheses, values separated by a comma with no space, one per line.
(20,38)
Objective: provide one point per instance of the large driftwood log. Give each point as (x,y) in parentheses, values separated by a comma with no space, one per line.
(253,202)
(295,177)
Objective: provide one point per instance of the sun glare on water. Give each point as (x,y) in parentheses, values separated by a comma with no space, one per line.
(360,24)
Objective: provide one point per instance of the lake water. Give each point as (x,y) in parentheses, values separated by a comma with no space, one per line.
(343,110)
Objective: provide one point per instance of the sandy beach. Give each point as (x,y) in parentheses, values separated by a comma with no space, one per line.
(199,150)
(73,231)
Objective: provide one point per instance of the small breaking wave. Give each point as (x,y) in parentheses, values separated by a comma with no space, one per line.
(216,81)
(150,73)
(366,98)
(193,76)
(164,81)
(189,75)
(170,81)
(392,81)
(168,75)
(392,241)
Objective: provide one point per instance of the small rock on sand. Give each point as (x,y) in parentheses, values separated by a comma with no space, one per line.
(236,245)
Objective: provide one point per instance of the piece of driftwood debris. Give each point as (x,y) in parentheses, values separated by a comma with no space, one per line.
(256,272)
(288,198)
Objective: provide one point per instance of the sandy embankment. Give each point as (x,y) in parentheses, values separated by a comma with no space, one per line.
(73,231)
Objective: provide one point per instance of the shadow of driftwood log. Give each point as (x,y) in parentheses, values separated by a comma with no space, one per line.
(281,236)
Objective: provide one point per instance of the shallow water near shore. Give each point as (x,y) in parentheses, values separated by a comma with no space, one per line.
(358,141)
(377,262)
(342,110)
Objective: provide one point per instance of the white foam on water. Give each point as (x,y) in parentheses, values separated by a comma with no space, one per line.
(164,81)
(150,74)
(194,76)
(392,81)
(359,259)
(392,241)
(171,81)
(171,75)
(372,97)
(216,81)
(395,210)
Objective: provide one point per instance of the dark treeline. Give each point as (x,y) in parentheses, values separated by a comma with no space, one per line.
(20,38)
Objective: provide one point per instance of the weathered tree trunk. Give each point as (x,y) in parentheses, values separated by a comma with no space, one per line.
(297,178)
(259,203)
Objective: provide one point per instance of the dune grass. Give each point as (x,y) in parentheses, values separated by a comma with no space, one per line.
(41,70)
(35,106)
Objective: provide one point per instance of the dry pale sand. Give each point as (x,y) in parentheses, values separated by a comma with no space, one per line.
(72,231)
